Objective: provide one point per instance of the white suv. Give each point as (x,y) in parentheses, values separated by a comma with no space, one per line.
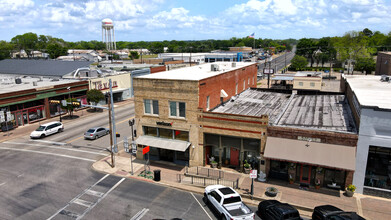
(47,129)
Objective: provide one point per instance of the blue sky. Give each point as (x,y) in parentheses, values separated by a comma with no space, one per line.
(156,20)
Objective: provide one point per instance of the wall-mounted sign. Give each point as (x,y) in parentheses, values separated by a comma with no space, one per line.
(103,86)
(301,138)
(164,123)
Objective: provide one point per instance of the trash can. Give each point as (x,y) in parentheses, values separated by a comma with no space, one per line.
(156,175)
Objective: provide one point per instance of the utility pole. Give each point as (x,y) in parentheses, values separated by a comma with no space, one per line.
(131,123)
(111,133)
(113,138)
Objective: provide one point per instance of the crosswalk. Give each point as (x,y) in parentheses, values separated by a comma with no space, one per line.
(55,149)
(79,206)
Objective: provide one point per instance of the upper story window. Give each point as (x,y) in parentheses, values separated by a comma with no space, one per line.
(236,89)
(244,84)
(312,84)
(300,83)
(151,107)
(248,81)
(178,109)
(207,103)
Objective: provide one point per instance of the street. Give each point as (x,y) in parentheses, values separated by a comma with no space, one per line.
(52,178)
(277,63)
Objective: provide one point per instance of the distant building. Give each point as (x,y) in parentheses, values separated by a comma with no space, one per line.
(383,63)
(88,55)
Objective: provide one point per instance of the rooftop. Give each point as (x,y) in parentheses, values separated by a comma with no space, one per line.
(40,67)
(324,112)
(8,84)
(370,91)
(198,72)
(254,102)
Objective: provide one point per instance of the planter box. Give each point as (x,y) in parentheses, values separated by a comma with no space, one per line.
(349,193)
(271,192)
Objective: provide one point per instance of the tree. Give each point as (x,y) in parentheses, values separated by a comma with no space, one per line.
(5,50)
(367,32)
(306,48)
(55,50)
(134,55)
(70,107)
(95,96)
(299,62)
(26,42)
(365,64)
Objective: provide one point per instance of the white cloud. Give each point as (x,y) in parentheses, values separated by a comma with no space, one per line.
(176,18)
(15,6)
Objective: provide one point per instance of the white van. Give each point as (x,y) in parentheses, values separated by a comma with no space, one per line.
(47,129)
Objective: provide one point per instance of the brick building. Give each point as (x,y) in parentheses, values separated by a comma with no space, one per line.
(170,105)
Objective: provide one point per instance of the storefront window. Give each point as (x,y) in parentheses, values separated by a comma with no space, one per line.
(165,133)
(378,172)
(151,131)
(279,166)
(334,176)
(182,155)
(182,135)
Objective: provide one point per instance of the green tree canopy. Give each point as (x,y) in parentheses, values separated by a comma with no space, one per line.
(366,65)
(299,62)
(55,50)
(95,96)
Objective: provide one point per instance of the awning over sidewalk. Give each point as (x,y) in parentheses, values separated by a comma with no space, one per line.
(163,143)
(328,155)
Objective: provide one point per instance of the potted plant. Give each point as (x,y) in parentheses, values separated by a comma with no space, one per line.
(291,180)
(247,167)
(350,190)
(292,166)
(271,191)
(319,170)
(213,162)
(317,183)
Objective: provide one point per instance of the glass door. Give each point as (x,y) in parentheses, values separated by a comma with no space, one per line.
(305,174)
(19,119)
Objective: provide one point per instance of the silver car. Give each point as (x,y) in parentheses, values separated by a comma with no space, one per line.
(95,133)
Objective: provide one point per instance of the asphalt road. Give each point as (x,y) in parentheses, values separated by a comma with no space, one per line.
(51,178)
(277,63)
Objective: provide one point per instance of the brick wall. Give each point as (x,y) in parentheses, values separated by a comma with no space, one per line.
(325,136)
(157,69)
(212,86)
(383,63)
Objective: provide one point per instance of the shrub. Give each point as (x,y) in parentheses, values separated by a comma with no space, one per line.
(351,188)
(246,165)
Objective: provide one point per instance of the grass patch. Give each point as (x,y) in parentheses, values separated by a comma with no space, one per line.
(149,56)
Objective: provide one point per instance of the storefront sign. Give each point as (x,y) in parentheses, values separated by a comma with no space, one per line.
(164,123)
(301,138)
(103,86)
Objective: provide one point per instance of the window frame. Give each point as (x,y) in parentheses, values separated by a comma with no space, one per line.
(177,108)
(151,107)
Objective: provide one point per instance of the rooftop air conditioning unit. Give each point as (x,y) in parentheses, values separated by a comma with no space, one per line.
(385,78)
(214,67)
(233,64)
(35,83)
(18,80)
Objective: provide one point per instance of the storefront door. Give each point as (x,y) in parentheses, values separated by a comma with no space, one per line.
(305,174)
(234,160)
(208,151)
(166,155)
(25,119)
(19,119)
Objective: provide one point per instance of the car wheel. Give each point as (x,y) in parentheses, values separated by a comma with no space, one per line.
(206,200)
(42,135)
(107,132)
(96,137)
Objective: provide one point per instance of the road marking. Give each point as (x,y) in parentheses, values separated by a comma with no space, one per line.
(61,148)
(2,184)
(100,199)
(50,142)
(68,142)
(140,214)
(83,203)
(47,153)
(94,193)
(78,196)
(201,206)
(359,206)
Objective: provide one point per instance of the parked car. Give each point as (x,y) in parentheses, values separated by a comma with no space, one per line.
(227,203)
(95,133)
(275,210)
(329,212)
(47,129)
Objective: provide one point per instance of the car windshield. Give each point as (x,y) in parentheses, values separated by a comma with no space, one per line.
(41,128)
(91,131)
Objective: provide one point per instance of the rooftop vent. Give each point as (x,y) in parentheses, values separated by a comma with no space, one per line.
(18,80)
(233,64)
(385,78)
(35,83)
(214,67)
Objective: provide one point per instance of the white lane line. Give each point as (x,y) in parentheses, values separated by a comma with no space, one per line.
(100,199)
(140,214)
(2,184)
(54,147)
(47,153)
(50,142)
(201,206)
(78,196)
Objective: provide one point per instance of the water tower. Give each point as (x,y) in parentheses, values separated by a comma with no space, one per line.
(108,34)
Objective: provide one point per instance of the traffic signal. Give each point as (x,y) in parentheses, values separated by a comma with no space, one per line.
(117,134)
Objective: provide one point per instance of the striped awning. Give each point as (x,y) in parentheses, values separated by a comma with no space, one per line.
(163,143)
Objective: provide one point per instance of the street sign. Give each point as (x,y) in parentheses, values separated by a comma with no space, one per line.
(268,71)
(134,147)
(126,145)
(253,174)
(145,150)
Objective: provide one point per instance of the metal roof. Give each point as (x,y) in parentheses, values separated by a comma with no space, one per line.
(40,67)
(288,78)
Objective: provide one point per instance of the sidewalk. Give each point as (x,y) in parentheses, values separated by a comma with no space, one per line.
(83,113)
(305,200)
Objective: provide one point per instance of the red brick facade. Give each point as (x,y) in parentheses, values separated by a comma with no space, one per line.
(157,69)
(212,86)
(383,63)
